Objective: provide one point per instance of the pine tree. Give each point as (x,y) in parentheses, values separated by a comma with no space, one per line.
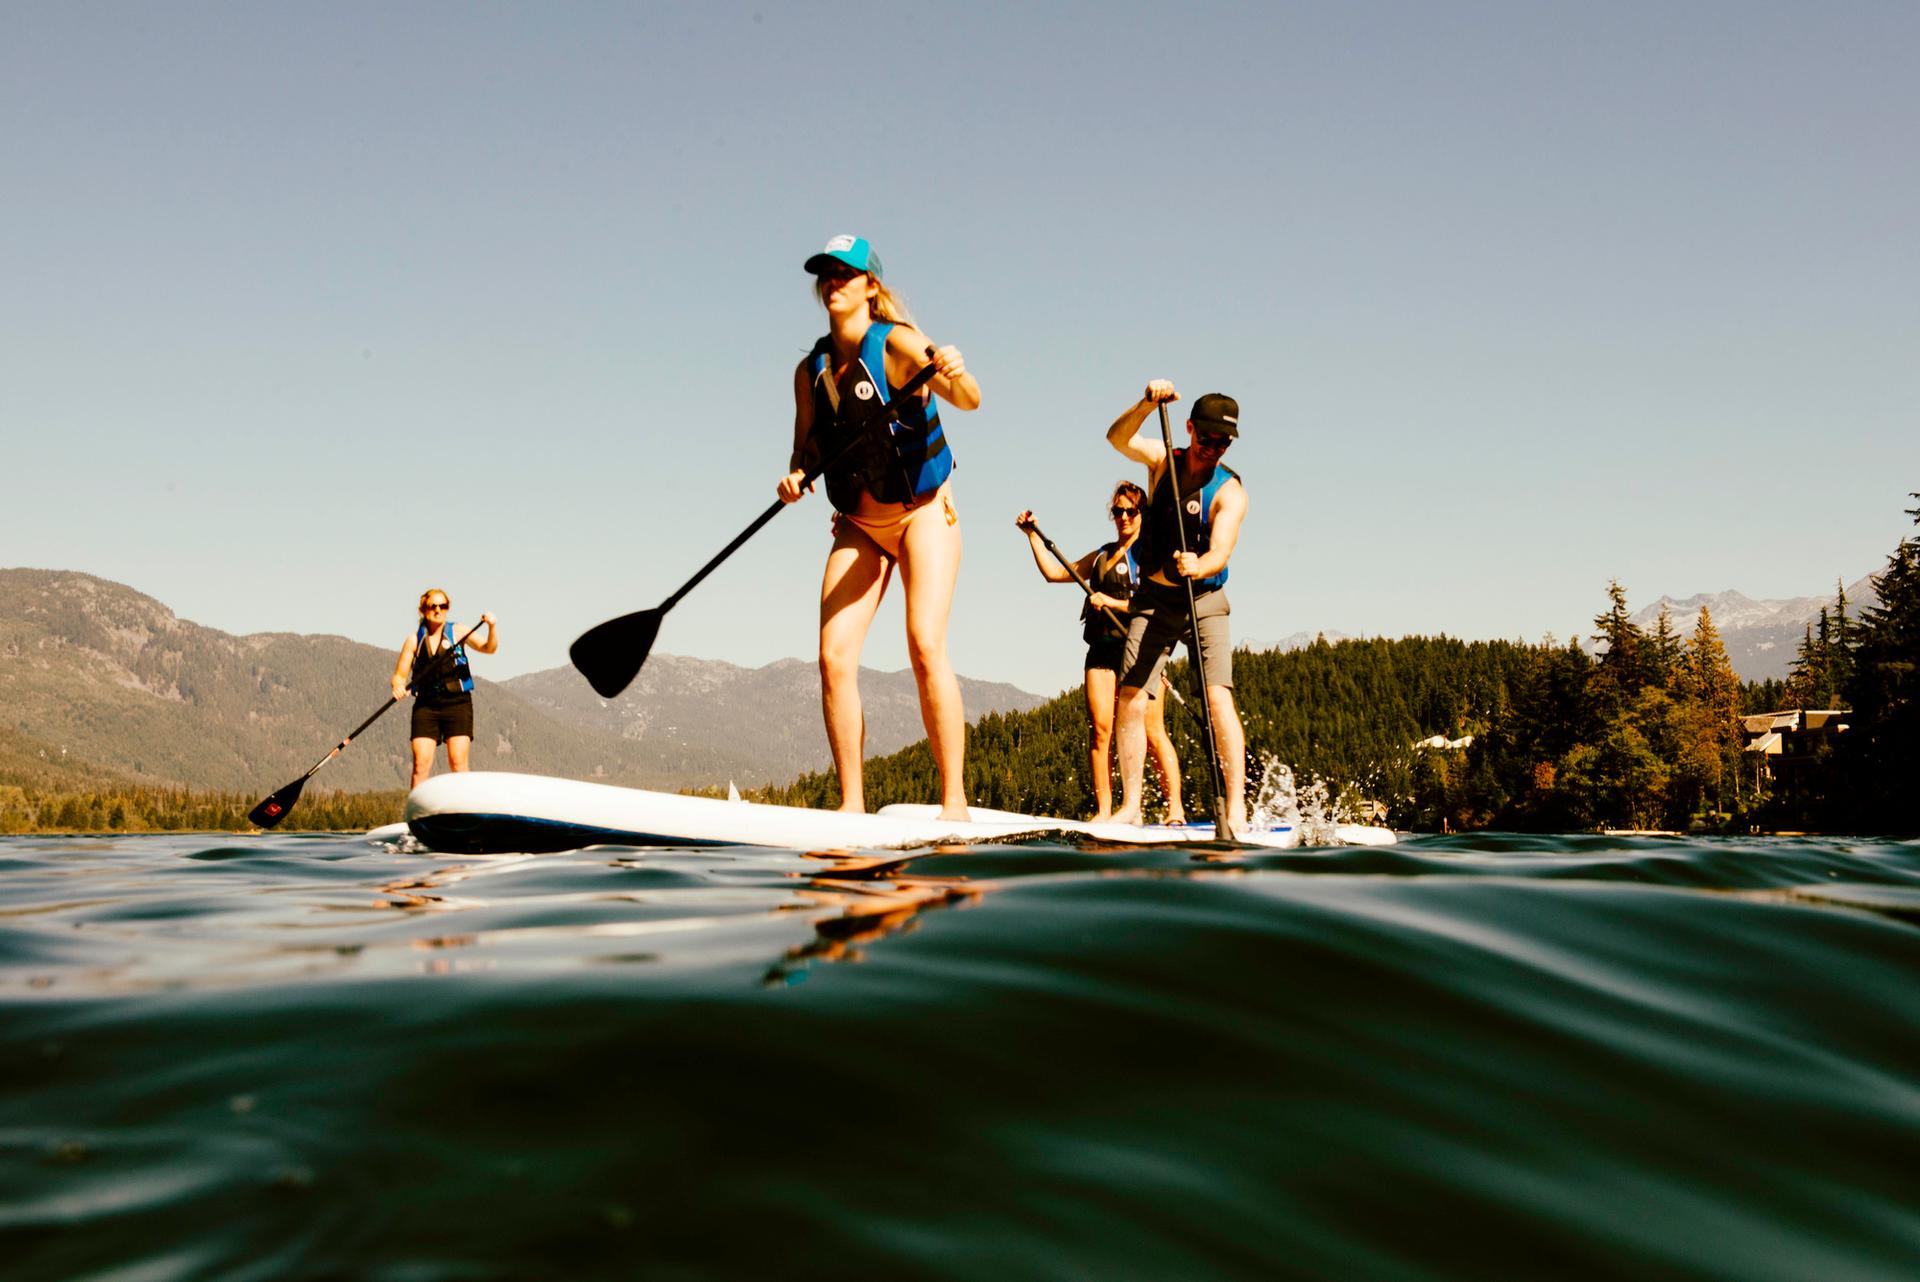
(1663,651)
(1712,698)
(1880,754)
(1623,665)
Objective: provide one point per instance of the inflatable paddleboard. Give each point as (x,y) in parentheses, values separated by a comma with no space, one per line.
(494,812)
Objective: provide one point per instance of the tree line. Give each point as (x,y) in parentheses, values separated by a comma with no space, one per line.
(29,808)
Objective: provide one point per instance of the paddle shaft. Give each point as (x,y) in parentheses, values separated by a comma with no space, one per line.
(880,414)
(1074,574)
(1220,824)
(383,708)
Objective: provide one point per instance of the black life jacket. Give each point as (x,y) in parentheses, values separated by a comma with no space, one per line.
(1119,579)
(1159,540)
(900,461)
(449,682)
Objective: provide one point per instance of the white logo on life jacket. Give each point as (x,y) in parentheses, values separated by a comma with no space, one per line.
(863,390)
(1193,507)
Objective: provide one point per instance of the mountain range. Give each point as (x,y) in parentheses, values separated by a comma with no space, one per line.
(1761,637)
(100,683)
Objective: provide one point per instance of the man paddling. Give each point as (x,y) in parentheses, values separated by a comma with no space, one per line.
(1215,504)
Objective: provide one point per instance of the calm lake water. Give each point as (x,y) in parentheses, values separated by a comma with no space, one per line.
(295,1057)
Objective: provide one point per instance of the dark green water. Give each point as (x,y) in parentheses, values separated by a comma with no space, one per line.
(1479,1057)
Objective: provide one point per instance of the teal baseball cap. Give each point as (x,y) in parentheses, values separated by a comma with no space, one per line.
(846,251)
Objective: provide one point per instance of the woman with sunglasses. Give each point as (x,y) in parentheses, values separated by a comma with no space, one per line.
(1114,574)
(443,696)
(893,505)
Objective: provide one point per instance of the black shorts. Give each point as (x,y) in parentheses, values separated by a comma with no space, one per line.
(1107,652)
(443,721)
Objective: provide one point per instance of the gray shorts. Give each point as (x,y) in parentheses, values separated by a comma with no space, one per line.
(1157,621)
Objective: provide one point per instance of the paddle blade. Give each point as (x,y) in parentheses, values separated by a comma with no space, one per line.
(609,656)
(270,812)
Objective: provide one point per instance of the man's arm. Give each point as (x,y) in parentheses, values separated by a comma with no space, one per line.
(1229,510)
(1125,434)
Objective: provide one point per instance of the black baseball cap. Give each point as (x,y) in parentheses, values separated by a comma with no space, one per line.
(1216,412)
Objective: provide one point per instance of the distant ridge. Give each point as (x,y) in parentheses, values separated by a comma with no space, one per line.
(100,683)
(1761,637)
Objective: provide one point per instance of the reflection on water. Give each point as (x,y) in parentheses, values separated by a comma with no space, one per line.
(1464,1057)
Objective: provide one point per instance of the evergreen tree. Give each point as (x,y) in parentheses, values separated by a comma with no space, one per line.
(1880,754)
(1663,650)
(1624,663)
(1711,749)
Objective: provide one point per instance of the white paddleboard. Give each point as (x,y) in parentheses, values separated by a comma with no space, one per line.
(482,812)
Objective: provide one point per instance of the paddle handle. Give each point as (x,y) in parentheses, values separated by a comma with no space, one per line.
(1220,825)
(878,415)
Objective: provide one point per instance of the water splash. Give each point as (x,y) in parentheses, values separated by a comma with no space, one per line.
(1313,807)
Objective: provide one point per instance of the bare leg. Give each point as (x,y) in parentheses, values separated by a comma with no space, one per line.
(929,565)
(1100,682)
(422,760)
(1232,743)
(458,747)
(1160,747)
(850,592)
(1131,720)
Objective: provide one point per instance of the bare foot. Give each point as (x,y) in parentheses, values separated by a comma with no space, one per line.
(1175,818)
(852,808)
(1124,816)
(958,812)
(1105,816)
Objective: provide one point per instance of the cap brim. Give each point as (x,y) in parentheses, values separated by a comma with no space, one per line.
(821,264)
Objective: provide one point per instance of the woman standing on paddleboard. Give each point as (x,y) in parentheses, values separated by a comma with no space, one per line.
(893,503)
(1113,574)
(443,694)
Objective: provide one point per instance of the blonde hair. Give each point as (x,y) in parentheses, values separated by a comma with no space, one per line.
(885,305)
(424,596)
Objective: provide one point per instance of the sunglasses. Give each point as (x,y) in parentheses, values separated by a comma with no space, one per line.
(436,605)
(1213,441)
(1116,511)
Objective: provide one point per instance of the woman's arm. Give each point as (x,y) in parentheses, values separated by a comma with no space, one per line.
(907,352)
(403,671)
(492,643)
(801,460)
(1049,568)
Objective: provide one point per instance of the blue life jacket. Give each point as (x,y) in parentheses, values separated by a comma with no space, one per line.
(457,681)
(1120,579)
(901,461)
(1159,540)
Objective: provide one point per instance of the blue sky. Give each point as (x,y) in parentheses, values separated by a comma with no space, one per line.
(306,309)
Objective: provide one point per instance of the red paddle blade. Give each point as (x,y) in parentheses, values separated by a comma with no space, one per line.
(270,812)
(609,656)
